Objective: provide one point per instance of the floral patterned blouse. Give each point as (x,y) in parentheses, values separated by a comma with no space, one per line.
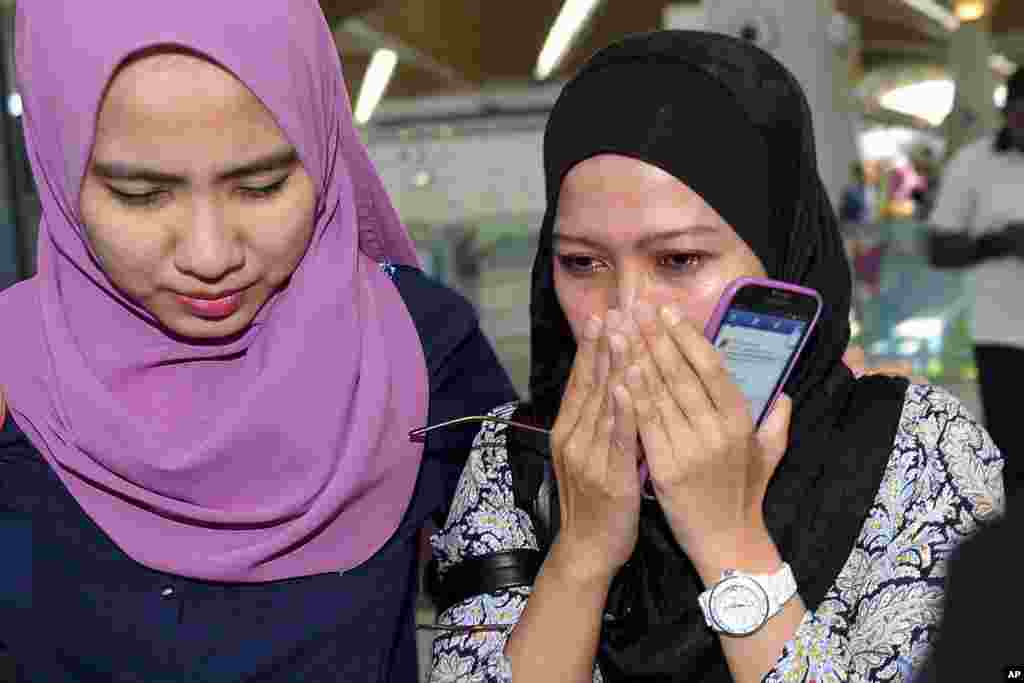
(877,620)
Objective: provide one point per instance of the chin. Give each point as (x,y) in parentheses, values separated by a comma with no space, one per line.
(193,328)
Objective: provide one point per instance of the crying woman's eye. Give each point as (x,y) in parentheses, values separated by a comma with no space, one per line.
(577,265)
(682,261)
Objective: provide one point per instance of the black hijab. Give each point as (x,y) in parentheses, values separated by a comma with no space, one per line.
(732,123)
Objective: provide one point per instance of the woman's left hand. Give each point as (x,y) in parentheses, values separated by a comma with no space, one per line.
(709,466)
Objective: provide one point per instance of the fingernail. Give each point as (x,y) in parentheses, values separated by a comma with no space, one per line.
(618,343)
(613,318)
(670,314)
(628,325)
(592,330)
(644,313)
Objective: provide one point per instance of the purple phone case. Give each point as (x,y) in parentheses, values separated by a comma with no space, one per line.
(718,315)
(715,322)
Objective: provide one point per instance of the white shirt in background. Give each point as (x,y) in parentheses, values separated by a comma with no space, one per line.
(980,193)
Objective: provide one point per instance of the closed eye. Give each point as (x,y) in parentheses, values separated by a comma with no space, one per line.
(265,191)
(135,198)
(151,197)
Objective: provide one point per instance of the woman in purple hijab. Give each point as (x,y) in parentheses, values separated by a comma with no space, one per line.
(205,473)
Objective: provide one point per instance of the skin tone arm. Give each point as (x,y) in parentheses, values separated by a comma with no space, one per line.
(594,448)
(710,469)
(751,657)
(557,636)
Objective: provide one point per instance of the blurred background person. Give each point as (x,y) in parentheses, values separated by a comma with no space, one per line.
(978,224)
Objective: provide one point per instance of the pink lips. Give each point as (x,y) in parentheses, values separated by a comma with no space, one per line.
(212,309)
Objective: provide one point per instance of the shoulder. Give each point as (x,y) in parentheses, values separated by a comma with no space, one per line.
(943,480)
(948,457)
(12,439)
(27,483)
(483,517)
(941,485)
(428,300)
(443,317)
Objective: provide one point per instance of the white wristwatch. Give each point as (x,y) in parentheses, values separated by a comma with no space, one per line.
(740,604)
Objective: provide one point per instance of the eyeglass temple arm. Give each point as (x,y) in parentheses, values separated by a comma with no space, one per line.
(420,435)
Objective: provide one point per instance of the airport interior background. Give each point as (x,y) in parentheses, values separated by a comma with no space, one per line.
(452,96)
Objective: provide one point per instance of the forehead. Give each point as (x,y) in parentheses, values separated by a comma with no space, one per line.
(169,83)
(619,198)
(160,102)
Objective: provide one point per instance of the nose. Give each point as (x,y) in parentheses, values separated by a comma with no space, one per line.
(633,285)
(209,248)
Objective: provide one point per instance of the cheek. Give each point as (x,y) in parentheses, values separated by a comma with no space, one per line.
(130,252)
(700,300)
(282,234)
(579,300)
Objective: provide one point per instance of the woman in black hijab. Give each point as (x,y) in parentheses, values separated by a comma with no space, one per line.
(676,162)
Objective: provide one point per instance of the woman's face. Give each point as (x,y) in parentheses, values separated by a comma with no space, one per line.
(195,203)
(627,230)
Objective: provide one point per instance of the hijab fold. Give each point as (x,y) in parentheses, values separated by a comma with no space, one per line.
(731,122)
(282,452)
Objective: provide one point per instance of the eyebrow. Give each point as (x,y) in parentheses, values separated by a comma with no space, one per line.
(643,241)
(118,170)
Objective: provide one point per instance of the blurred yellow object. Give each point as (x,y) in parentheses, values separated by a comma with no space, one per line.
(901,208)
(969,10)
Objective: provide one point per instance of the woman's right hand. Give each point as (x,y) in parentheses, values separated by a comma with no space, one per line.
(595,450)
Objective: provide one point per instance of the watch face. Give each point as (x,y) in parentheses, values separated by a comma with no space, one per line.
(739,605)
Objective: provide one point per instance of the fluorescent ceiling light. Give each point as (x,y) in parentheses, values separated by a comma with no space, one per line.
(375,82)
(929,100)
(571,18)
(936,12)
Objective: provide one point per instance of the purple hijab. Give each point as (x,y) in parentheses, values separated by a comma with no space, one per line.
(283,454)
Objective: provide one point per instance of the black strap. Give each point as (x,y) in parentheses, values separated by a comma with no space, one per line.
(533,478)
(534,489)
(487,574)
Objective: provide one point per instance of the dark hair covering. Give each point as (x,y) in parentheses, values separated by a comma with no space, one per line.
(731,122)
(1014,94)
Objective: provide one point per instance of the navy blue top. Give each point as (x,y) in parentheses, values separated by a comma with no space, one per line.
(75,607)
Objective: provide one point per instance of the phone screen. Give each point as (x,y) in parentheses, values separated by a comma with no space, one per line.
(758,348)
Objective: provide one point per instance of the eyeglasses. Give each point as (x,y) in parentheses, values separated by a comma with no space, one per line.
(420,435)
(459,630)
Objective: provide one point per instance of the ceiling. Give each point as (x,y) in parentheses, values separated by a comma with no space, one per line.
(450,47)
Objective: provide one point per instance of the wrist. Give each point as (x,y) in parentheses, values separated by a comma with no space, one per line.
(750,551)
(578,570)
